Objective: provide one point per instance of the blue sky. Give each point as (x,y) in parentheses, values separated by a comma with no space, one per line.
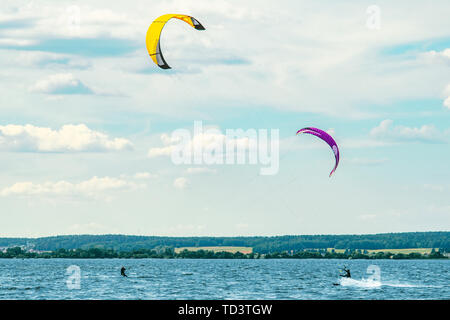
(82,106)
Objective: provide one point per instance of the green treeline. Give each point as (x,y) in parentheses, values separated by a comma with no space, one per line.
(261,245)
(350,254)
(169,253)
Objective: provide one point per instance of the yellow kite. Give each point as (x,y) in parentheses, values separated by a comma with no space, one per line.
(154,32)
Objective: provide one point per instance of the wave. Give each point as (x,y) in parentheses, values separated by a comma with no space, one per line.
(20,288)
(369,283)
(363,283)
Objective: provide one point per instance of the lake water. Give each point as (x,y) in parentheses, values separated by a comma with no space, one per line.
(223,279)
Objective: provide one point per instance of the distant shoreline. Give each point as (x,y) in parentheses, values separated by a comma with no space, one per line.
(169,253)
(258,244)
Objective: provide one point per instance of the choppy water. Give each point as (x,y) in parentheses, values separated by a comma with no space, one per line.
(223,279)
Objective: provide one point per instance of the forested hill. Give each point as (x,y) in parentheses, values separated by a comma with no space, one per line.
(259,244)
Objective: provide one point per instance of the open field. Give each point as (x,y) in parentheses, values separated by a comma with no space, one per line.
(336,250)
(405,251)
(217,249)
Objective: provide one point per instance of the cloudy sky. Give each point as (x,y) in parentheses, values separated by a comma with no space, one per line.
(86,117)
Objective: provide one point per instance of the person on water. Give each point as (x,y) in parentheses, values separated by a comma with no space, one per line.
(122,272)
(347,273)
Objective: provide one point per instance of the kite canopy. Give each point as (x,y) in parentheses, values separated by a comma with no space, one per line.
(154,33)
(325,137)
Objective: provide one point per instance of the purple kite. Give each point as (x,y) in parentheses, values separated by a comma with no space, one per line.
(325,137)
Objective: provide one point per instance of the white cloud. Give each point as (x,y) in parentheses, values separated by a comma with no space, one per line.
(310,63)
(388,134)
(357,143)
(438,56)
(91,188)
(16,42)
(144,175)
(47,59)
(305,142)
(139,176)
(66,21)
(426,133)
(434,187)
(366,162)
(180,183)
(70,138)
(331,131)
(447,102)
(168,142)
(325,62)
(205,141)
(157,152)
(367,217)
(63,83)
(309,60)
(200,170)
(447,94)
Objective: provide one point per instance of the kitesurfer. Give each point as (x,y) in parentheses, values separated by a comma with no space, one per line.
(122,272)
(347,273)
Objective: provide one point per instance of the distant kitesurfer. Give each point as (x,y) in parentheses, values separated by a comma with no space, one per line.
(347,273)
(122,272)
